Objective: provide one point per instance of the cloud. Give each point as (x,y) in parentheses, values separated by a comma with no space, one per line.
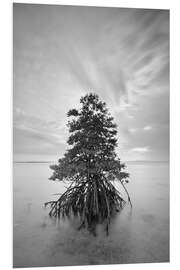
(146,128)
(49,133)
(63,52)
(132,130)
(140,149)
(135,130)
(26,141)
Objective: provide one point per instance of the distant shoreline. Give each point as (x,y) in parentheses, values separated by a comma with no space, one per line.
(33,161)
(147,161)
(128,162)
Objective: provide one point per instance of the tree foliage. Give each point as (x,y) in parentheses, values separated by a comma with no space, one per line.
(91,165)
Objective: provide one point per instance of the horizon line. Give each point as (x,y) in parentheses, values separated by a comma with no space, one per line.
(49,161)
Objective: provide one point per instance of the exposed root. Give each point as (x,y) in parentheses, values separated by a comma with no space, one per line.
(93,201)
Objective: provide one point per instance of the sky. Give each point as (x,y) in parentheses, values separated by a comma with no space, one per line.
(60,53)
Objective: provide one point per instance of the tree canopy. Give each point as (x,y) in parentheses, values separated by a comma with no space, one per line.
(91,165)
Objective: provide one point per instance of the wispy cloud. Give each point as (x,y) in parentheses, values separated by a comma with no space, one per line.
(133,130)
(61,53)
(146,128)
(140,149)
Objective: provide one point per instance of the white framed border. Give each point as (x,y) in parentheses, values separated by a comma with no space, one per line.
(6,127)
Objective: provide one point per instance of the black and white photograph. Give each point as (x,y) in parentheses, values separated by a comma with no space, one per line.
(90,135)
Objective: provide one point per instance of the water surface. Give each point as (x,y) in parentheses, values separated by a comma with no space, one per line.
(136,236)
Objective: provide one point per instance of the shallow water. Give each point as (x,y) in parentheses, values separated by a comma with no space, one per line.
(136,236)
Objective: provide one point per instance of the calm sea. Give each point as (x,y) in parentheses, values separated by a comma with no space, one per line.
(136,236)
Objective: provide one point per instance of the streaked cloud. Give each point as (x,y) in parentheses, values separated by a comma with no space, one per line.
(140,149)
(63,52)
(146,128)
(133,130)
